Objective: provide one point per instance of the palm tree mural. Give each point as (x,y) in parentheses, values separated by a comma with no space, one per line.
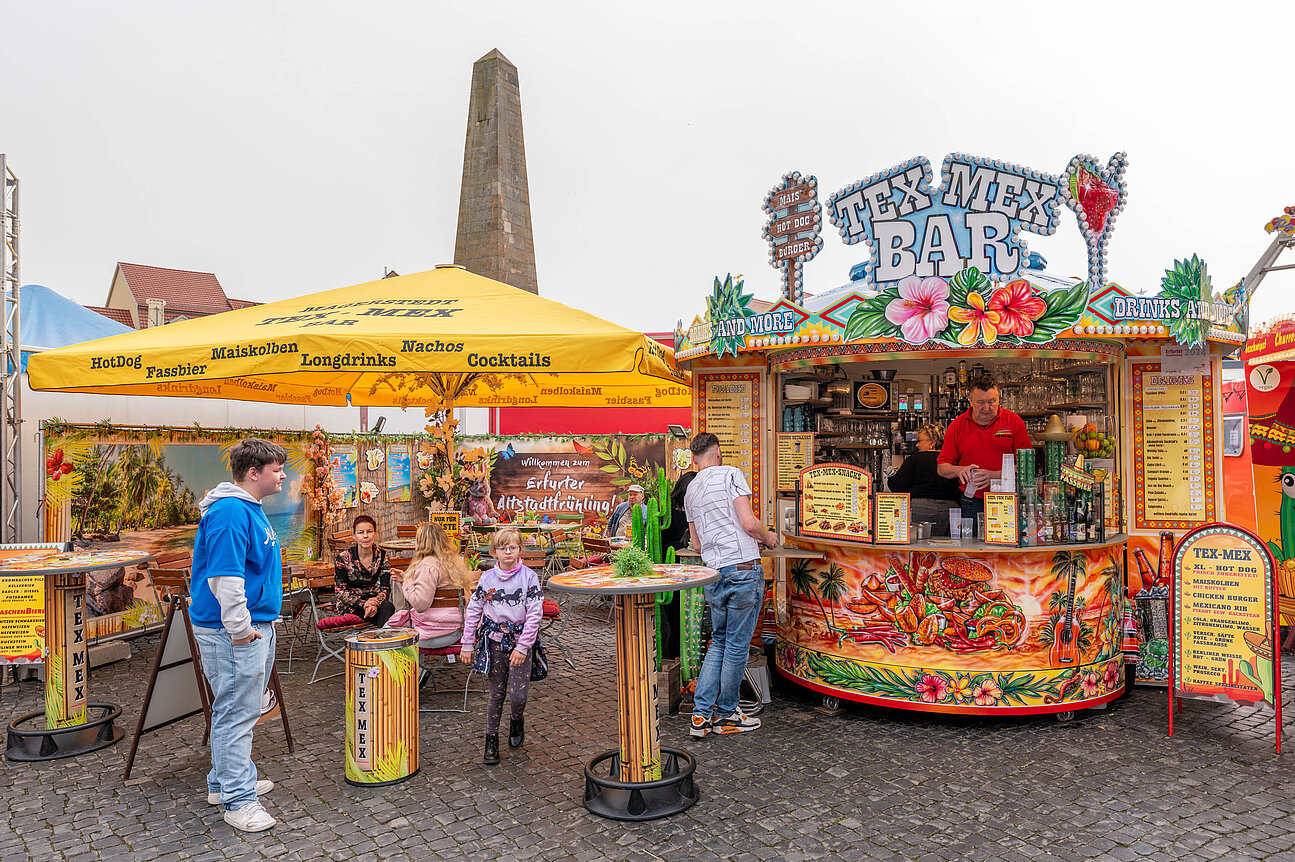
(802,578)
(1064,564)
(135,490)
(831,586)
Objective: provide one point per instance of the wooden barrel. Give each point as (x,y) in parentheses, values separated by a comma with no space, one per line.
(381,706)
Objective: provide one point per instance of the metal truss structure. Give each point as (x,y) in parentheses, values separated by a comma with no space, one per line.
(11,353)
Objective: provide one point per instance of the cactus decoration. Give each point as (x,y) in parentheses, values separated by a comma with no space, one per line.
(646,534)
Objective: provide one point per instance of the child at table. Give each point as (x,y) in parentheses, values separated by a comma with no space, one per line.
(501,626)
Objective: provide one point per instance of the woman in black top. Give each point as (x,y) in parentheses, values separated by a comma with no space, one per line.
(932,496)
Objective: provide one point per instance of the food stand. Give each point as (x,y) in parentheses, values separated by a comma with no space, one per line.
(817,397)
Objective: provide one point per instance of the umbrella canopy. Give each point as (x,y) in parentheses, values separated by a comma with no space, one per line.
(439,337)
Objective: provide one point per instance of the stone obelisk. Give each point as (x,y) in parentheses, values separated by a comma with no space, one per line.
(494,236)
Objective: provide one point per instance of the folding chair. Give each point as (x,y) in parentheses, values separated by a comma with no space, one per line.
(445,648)
(331,629)
(292,609)
(406,531)
(340,539)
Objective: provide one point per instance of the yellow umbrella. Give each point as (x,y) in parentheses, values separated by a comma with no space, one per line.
(440,337)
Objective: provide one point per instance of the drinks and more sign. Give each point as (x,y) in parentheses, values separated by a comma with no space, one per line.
(1224,625)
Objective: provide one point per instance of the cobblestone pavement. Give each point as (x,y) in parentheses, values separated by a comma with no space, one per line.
(869,784)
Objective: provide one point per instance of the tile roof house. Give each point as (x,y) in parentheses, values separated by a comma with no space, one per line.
(184,294)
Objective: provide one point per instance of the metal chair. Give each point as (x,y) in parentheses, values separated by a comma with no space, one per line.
(332,639)
(445,647)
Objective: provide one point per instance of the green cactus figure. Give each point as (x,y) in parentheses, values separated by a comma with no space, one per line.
(646,534)
(1261,674)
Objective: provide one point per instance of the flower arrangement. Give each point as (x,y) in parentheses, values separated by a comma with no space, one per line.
(450,472)
(322,493)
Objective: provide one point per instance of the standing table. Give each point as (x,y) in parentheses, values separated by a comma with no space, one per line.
(637,784)
(69,730)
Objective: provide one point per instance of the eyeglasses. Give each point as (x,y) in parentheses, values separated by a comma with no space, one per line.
(509,548)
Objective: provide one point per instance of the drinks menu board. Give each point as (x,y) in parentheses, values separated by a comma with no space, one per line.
(836,502)
(728,406)
(1174,485)
(1001,525)
(894,511)
(1223,617)
(795,453)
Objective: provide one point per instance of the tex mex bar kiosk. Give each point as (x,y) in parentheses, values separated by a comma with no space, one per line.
(816,397)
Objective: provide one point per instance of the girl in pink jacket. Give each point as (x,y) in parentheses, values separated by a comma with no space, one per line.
(435,564)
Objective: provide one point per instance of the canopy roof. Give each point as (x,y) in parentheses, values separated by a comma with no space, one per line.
(49,320)
(434,337)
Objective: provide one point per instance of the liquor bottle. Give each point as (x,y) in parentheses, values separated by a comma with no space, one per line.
(1144,568)
(962,372)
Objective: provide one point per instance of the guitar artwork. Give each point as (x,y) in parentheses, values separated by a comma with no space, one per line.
(1065,640)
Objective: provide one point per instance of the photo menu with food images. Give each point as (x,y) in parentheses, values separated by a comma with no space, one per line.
(729,408)
(1173,449)
(836,502)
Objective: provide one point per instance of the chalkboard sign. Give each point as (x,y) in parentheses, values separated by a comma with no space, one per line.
(1223,622)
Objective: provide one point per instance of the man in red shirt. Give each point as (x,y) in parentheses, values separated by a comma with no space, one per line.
(975,443)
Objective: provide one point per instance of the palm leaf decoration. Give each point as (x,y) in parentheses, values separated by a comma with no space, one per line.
(1188,281)
(76,451)
(727,302)
(831,586)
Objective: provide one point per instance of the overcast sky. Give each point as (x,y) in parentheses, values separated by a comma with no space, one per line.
(293,147)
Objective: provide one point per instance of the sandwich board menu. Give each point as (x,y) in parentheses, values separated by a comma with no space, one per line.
(451,523)
(795,453)
(894,511)
(1001,525)
(1223,624)
(1174,486)
(836,502)
(728,406)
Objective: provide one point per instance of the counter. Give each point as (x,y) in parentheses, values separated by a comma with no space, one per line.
(958,627)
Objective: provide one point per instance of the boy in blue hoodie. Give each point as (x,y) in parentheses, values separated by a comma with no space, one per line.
(237,589)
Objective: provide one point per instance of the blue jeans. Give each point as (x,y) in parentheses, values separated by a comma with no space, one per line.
(734,610)
(238,675)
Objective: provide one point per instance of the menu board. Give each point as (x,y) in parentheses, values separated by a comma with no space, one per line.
(398,476)
(795,453)
(1001,524)
(894,511)
(836,502)
(1223,617)
(1174,484)
(451,523)
(342,467)
(728,406)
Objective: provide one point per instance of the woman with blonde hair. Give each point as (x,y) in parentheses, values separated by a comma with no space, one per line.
(931,495)
(435,564)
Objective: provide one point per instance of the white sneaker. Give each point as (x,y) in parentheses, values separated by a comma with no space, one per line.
(263,786)
(738,722)
(252,817)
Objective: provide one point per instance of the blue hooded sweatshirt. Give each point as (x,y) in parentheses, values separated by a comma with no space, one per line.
(235,539)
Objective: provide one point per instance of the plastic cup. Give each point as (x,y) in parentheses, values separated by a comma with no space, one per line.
(955,523)
(980,524)
(968,524)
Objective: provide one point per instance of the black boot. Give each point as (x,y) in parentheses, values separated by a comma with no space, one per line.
(491,757)
(516,733)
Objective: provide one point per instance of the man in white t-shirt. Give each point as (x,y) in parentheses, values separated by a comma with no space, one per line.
(729,536)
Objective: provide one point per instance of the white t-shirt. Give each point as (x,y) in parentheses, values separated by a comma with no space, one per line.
(709,506)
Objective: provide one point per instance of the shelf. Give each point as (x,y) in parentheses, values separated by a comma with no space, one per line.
(1081,369)
(1078,405)
(852,446)
(807,401)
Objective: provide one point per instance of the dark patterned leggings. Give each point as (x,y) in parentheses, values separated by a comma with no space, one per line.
(516,680)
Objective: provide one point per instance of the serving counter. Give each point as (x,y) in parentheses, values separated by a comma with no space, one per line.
(956,626)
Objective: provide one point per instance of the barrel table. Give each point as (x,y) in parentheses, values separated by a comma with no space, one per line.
(69,728)
(381,706)
(640,780)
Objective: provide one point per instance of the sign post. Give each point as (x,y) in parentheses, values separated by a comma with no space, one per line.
(1223,621)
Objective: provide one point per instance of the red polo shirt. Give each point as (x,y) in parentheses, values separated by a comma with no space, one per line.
(967,442)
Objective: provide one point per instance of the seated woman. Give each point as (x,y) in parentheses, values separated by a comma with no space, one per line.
(931,495)
(435,564)
(363,576)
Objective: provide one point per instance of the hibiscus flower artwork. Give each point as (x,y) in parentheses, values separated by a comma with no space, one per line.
(1018,307)
(981,321)
(922,310)
(932,688)
(986,692)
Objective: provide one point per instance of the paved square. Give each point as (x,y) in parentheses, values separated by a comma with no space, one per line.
(869,784)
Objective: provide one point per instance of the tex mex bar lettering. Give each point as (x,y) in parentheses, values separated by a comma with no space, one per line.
(972,219)
(349,314)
